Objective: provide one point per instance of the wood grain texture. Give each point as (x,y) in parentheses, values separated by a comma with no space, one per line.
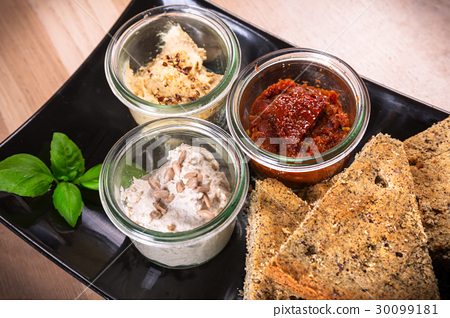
(402,44)
(42,42)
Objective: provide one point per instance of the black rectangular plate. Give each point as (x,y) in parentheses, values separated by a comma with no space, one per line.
(95,252)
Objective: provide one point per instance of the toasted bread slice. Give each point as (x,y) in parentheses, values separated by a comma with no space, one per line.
(275,212)
(364,239)
(429,156)
(312,194)
(429,143)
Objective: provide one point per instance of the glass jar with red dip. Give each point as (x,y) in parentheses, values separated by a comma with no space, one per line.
(298,114)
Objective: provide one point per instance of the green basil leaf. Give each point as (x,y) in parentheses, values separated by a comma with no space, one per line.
(66,160)
(25,175)
(67,200)
(129,173)
(90,179)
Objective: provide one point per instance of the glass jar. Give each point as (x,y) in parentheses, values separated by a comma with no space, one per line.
(145,149)
(138,41)
(314,68)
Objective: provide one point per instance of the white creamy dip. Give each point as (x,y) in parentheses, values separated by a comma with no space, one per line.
(184,193)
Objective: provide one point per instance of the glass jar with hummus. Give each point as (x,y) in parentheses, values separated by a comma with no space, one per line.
(175,186)
(173,61)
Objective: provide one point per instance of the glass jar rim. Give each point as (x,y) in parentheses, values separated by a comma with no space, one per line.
(137,232)
(299,164)
(186,109)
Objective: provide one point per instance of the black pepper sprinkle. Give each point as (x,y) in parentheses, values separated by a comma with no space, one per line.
(335,293)
(341,267)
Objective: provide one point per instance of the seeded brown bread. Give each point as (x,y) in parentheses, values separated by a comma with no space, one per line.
(314,193)
(429,156)
(364,239)
(429,143)
(275,212)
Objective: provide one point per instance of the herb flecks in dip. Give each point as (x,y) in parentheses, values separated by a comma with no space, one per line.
(297,120)
(184,193)
(176,75)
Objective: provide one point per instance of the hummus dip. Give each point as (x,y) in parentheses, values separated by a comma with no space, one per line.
(176,75)
(184,193)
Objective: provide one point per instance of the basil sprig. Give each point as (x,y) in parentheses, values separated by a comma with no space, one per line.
(28,176)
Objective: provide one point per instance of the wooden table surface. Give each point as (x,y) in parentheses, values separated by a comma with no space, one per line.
(402,44)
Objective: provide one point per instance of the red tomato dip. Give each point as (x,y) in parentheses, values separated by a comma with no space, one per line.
(297,120)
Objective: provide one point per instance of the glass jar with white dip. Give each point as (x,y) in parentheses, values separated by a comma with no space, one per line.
(145,149)
(139,41)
